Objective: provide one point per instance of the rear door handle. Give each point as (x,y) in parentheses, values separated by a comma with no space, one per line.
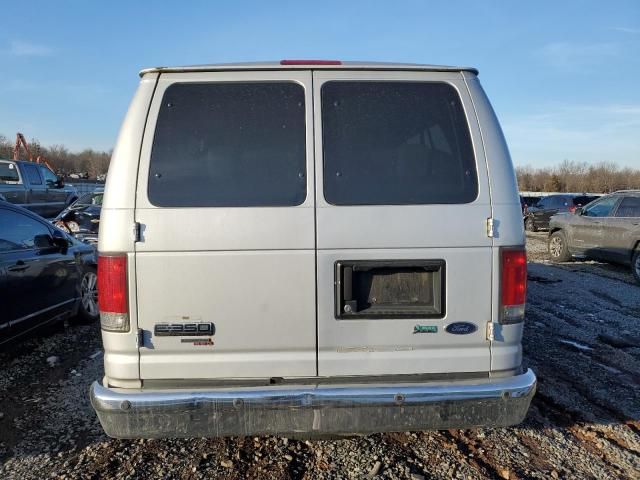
(18,267)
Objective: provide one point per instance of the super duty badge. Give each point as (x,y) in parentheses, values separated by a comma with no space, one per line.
(183,329)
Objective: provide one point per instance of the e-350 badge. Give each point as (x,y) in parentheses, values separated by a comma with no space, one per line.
(184,329)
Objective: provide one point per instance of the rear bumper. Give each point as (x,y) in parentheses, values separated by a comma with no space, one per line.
(314,409)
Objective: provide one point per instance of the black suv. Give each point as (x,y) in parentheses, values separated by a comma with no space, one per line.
(538,215)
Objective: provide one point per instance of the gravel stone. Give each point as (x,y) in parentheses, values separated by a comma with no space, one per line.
(584,421)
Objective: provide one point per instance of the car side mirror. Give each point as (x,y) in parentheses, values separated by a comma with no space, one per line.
(60,241)
(59,183)
(578,211)
(43,241)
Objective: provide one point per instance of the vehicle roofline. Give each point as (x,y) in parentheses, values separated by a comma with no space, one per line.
(252,66)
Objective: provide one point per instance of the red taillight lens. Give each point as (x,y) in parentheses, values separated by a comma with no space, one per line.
(513,285)
(112,292)
(572,209)
(310,62)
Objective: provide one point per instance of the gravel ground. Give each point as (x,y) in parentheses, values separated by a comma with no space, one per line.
(582,339)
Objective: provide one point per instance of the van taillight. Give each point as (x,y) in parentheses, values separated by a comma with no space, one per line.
(513,285)
(112,293)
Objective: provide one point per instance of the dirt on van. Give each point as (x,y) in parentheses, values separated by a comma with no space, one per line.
(582,338)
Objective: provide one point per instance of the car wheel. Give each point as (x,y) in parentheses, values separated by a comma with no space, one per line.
(529,225)
(89,296)
(635,264)
(558,250)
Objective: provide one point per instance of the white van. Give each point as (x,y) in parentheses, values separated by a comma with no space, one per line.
(310,247)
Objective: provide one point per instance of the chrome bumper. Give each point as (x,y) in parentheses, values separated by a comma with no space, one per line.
(314,409)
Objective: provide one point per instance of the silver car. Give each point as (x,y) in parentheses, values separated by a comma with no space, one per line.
(606,229)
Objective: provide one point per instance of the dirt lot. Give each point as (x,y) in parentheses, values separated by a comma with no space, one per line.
(582,339)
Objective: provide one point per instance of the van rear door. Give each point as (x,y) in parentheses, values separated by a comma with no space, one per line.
(225,207)
(404,259)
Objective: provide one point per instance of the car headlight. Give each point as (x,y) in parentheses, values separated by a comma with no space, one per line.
(73,226)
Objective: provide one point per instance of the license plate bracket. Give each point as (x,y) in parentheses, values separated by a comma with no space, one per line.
(389,289)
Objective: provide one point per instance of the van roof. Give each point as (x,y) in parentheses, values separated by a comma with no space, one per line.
(309,64)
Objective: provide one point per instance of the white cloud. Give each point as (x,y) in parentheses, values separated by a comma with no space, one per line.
(571,56)
(627,30)
(591,133)
(19,48)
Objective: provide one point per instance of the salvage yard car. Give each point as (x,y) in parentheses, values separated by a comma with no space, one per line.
(46,276)
(33,186)
(310,248)
(607,229)
(537,216)
(82,218)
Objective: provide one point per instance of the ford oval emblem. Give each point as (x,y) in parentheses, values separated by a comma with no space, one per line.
(461,328)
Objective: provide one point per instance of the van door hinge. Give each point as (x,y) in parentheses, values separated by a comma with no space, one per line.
(491,232)
(140,338)
(136,232)
(490,331)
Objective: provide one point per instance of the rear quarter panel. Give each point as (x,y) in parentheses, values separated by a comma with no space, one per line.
(506,349)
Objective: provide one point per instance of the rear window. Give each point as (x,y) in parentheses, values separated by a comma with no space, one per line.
(229,145)
(8,173)
(395,143)
(32,174)
(582,201)
(629,207)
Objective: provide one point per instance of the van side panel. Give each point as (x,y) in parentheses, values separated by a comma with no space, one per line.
(117,231)
(506,349)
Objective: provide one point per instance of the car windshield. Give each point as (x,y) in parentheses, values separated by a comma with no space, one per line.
(90,199)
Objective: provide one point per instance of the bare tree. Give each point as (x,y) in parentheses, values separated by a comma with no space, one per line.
(91,161)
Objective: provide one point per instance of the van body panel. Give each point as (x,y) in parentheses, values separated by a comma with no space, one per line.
(392,346)
(454,233)
(120,194)
(248,270)
(272,270)
(506,347)
(506,351)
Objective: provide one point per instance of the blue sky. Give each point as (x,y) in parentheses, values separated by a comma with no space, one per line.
(562,76)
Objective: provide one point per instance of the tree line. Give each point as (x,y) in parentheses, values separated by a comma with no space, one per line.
(576,177)
(569,176)
(62,160)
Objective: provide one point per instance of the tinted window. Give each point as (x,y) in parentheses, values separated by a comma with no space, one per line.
(601,208)
(49,176)
(629,207)
(229,145)
(32,174)
(18,231)
(8,172)
(544,203)
(90,199)
(583,200)
(396,143)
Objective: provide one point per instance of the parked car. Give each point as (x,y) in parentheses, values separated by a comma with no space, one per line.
(82,218)
(46,275)
(33,186)
(538,215)
(527,201)
(607,229)
(319,248)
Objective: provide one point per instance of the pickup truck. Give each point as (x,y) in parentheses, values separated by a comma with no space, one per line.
(35,187)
